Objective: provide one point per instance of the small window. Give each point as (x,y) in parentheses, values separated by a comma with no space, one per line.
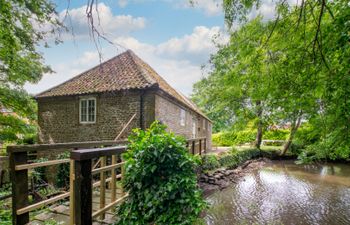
(204,124)
(88,110)
(182,117)
(193,128)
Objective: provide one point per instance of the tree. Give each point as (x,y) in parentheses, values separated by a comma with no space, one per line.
(237,82)
(21,31)
(303,62)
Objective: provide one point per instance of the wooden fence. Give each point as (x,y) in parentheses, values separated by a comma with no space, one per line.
(81,177)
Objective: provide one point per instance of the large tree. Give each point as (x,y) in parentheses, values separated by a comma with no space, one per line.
(22,30)
(302,62)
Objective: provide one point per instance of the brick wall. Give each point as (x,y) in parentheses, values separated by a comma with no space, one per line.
(59,117)
(168,112)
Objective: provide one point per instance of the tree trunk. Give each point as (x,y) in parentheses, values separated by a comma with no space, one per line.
(259,133)
(294,128)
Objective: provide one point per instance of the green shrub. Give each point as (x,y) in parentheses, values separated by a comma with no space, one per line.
(225,138)
(160,179)
(210,162)
(229,160)
(276,134)
(245,136)
(62,176)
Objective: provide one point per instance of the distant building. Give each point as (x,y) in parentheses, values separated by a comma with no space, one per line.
(97,104)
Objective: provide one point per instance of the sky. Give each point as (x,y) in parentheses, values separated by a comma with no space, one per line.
(172,36)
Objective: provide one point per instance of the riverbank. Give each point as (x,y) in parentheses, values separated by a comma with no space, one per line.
(222,178)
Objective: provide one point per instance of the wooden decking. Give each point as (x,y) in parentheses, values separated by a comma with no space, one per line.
(60,212)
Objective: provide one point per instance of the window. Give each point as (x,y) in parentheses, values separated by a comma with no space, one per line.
(88,110)
(193,128)
(204,124)
(182,117)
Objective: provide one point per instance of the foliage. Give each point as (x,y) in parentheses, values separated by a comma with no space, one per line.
(5,216)
(39,173)
(279,134)
(210,162)
(62,179)
(160,179)
(225,138)
(228,160)
(21,32)
(296,66)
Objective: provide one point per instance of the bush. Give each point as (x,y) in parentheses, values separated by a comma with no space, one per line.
(62,177)
(210,162)
(225,138)
(245,136)
(276,134)
(160,179)
(229,160)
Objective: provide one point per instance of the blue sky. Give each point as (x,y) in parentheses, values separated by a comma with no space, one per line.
(174,37)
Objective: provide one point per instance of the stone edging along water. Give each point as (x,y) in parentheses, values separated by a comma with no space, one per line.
(221,178)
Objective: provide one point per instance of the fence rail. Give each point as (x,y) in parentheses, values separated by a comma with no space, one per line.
(82,173)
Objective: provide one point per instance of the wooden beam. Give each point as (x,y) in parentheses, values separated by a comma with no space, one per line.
(98,183)
(41,164)
(96,152)
(109,206)
(103,186)
(42,203)
(106,168)
(69,146)
(71,191)
(83,192)
(19,180)
(127,124)
(113,179)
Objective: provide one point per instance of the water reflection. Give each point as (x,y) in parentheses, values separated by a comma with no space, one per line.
(285,193)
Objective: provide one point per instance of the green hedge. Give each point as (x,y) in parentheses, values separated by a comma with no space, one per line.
(230,138)
(229,160)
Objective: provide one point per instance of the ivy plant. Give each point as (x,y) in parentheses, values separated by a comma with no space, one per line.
(160,179)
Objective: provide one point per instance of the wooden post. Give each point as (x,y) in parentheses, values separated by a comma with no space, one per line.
(103,187)
(205,146)
(200,146)
(113,180)
(193,147)
(19,180)
(122,170)
(71,192)
(83,192)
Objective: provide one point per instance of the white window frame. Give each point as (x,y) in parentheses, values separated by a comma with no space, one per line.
(182,117)
(87,112)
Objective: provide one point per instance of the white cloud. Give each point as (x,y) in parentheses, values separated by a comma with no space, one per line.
(104,20)
(122,3)
(209,7)
(177,60)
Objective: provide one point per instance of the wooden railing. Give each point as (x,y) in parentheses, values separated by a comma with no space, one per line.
(83,182)
(19,166)
(197,145)
(81,177)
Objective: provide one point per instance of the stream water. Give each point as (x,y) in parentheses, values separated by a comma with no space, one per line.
(285,193)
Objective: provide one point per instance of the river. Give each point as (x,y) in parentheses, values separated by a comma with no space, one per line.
(285,193)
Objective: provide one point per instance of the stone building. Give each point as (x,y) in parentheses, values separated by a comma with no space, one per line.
(98,103)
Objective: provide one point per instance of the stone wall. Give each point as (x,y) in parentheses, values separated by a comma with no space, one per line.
(168,112)
(59,117)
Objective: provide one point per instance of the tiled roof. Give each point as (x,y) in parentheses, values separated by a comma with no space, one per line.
(122,72)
